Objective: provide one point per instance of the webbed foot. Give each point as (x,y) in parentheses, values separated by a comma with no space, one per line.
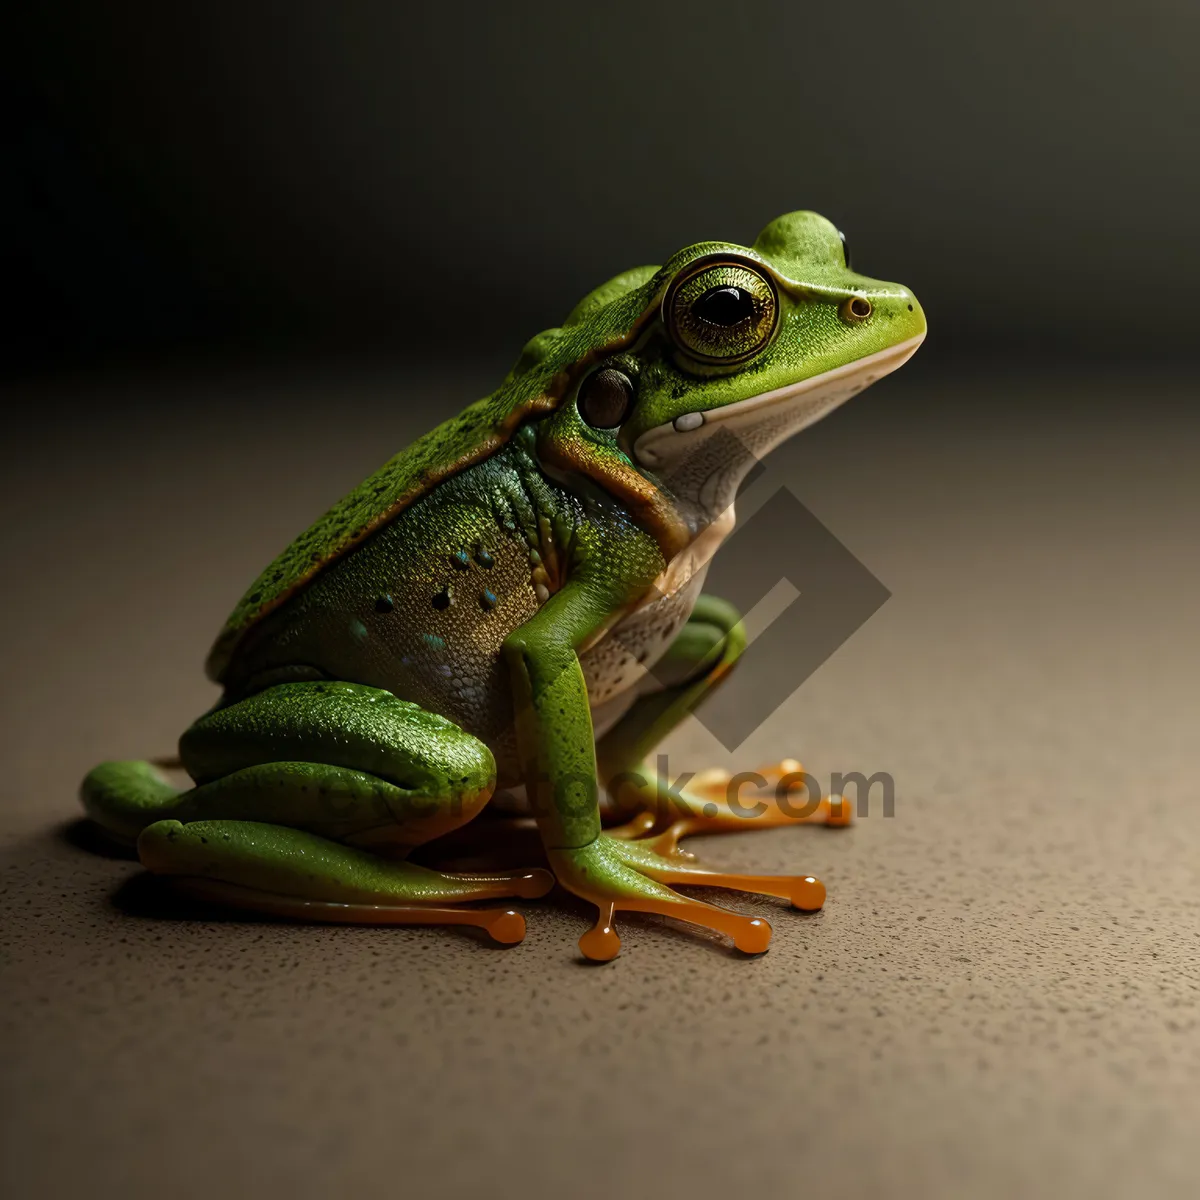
(627,875)
(717,801)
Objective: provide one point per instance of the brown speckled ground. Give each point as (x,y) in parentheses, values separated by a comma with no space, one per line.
(1000,998)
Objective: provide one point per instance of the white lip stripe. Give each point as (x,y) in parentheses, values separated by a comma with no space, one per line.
(883,362)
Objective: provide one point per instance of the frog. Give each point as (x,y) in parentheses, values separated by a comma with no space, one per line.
(512,608)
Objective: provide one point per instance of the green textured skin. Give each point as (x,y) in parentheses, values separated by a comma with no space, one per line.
(282,861)
(442,631)
(450,660)
(342,725)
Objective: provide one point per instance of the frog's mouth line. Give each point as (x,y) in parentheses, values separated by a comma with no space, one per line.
(820,394)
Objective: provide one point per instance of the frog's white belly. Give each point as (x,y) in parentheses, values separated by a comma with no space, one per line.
(618,668)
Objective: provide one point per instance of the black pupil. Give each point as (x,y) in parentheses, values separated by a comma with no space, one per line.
(606,398)
(724,306)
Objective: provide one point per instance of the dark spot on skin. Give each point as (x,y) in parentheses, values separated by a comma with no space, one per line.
(910,308)
(461,560)
(442,599)
(487,600)
(384,603)
(484,559)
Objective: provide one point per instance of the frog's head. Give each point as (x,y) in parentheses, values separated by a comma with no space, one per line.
(677,379)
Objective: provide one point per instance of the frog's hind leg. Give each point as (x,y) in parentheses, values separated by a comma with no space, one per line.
(308,798)
(292,873)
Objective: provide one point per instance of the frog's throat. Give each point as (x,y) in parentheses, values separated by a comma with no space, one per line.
(703,467)
(759,423)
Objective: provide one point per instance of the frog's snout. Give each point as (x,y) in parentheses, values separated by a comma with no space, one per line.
(899,307)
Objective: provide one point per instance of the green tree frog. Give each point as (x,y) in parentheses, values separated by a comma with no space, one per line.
(514,602)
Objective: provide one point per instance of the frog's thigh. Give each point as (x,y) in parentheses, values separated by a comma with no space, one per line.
(287,777)
(349,762)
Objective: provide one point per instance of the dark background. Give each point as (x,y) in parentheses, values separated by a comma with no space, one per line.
(374,177)
(252,250)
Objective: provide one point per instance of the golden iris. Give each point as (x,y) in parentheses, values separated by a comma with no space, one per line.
(722,313)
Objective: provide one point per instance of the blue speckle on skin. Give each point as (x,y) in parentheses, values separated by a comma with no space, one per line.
(461,560)
(487,599)
(433,641)
(358,631)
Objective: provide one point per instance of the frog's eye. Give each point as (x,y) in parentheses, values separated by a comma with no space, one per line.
(605,398)
(721,313)
(845,249)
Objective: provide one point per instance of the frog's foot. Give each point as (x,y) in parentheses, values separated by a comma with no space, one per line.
(717,801)
(292,873)
(623,875)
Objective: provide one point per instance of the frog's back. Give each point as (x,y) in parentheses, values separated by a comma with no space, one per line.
(606,319)
(475,434)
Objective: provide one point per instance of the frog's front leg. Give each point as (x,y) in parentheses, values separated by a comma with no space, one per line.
(554,731)
(713,801)
(307,798)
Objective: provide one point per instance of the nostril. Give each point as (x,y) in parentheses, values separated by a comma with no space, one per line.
(856,308)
